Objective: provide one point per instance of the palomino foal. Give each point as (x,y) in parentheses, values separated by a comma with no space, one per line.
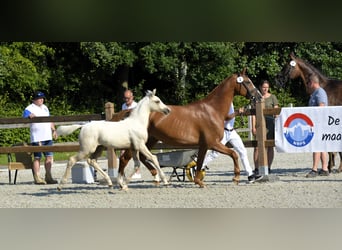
(130,133)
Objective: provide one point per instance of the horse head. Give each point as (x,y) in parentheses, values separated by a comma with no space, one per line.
(156,104)
(293,69)
(249,90)
(299,68)
(284,75)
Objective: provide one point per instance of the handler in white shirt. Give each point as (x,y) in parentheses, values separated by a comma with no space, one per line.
(130,104)
(230,135)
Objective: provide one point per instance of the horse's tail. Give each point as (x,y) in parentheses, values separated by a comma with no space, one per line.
(67,130)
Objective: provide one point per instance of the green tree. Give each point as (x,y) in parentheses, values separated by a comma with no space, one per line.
(187,71)
(80,77)
(23,69)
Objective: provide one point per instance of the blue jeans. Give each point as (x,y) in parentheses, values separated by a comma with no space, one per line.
(42,143)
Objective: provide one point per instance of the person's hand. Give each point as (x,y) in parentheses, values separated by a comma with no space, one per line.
(31,115)
(241,111)
(54,134)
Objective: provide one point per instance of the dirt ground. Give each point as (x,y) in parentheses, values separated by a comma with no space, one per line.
(288,188)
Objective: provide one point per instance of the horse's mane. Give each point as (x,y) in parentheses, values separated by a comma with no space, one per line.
(213,94)
(310,69)
(137,109)
(220,85)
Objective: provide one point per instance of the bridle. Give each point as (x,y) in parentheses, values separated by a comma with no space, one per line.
(254,95)
(285,74)
(293,64)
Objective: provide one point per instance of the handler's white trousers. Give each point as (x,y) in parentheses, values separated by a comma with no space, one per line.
(235,140)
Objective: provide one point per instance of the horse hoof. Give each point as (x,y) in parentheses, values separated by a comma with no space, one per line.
(166,183)
(156,183)
(59,189)
(201,184)
(236,180)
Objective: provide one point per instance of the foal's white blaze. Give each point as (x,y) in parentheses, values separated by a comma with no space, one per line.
(130,133)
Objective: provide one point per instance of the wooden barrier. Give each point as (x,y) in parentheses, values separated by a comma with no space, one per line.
(261,138)
(25,122)
(261,135)
(259,111)
(111,155)
(74,147)
(57,147)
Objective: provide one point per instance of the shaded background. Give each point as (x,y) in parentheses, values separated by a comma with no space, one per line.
(152,20)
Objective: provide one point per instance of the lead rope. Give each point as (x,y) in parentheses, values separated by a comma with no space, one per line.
(242,121)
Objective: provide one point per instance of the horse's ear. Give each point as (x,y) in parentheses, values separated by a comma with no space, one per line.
(148,92)
(292,55)
(151,93)
(244,71)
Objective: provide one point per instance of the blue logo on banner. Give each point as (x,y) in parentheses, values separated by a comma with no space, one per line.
(298,130)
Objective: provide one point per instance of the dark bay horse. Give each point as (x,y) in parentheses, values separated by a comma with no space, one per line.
(299,68)
(199,124)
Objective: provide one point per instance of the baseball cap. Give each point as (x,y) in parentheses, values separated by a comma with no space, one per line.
(38,94)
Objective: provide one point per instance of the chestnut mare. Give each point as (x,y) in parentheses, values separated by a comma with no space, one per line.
(298,68)
(199,124)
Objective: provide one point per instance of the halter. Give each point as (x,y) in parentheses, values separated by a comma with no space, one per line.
(250,93)
(242,122)
(293,64)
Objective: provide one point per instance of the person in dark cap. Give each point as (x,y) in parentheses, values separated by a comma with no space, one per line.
(41,134)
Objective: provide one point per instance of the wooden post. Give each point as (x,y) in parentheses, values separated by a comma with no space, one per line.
(250,133)
(111,156)
(261,138)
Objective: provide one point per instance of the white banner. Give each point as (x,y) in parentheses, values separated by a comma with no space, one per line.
(309,129)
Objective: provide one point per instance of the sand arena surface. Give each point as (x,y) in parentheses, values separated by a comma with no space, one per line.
(292,190)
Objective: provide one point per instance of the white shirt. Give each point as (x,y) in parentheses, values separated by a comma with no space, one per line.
(39,131)
(230,124)
(133,105)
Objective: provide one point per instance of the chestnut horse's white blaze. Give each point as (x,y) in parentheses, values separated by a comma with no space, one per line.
(130,133)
